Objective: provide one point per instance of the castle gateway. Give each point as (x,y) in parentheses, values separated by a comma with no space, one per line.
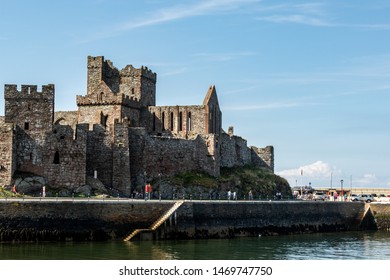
(118,134)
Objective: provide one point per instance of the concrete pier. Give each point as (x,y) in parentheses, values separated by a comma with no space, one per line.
(51,219)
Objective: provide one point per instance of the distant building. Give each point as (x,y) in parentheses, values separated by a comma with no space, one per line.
(118,133)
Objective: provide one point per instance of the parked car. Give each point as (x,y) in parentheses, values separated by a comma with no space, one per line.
(365,197)
(353,197)
(382,198)
(319,196)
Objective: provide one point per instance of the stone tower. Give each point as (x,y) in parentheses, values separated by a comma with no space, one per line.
(29,109)
(114,95)
(32,113)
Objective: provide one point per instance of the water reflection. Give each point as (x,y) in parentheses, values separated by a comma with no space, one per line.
(352,245)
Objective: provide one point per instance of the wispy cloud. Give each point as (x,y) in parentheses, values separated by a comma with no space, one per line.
(309,14)
(201,8)
(312,14)
(174,13)
(296,18)
(227,56)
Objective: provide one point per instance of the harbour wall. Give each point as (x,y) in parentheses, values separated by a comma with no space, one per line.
(233,219)
(73,220)
(96,220)
(381,215)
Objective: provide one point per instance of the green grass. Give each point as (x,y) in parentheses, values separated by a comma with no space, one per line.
(261,181)
(6,193)
(188,179)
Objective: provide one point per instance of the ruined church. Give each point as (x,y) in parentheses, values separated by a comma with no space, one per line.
(118,134)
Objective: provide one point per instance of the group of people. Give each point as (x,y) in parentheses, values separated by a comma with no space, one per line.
(233,195)
(230,194)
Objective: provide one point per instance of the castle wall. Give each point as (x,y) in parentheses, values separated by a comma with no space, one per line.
(167,155)
(7,152)
(66,118)
(104,115)
(234,151)
(99,154)
(263,157)
(121,179)
(65,157)
(179,121)
(132,115)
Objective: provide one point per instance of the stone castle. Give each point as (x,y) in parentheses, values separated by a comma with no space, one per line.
(118,134)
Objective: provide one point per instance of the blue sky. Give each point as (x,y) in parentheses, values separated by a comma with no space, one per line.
(310,78)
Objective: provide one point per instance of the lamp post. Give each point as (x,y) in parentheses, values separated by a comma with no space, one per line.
(145,186)
(159,184)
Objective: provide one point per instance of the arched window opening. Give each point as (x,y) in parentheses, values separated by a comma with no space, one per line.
(163,121)
(56,158)
(103,119)
(154,121)
(171,122)
(180,121)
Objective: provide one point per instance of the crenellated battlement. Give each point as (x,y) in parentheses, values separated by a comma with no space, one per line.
(120,99)
(95,61)
(29,91)
(147,73)
(131,71)
(127,71)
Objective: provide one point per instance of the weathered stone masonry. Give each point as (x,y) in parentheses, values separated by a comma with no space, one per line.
(118,133)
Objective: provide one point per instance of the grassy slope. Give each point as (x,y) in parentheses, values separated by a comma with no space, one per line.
(241,179)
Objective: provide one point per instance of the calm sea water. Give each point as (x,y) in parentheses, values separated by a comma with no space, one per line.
(331,246)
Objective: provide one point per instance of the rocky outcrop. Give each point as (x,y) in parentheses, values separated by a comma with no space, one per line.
(30,184)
